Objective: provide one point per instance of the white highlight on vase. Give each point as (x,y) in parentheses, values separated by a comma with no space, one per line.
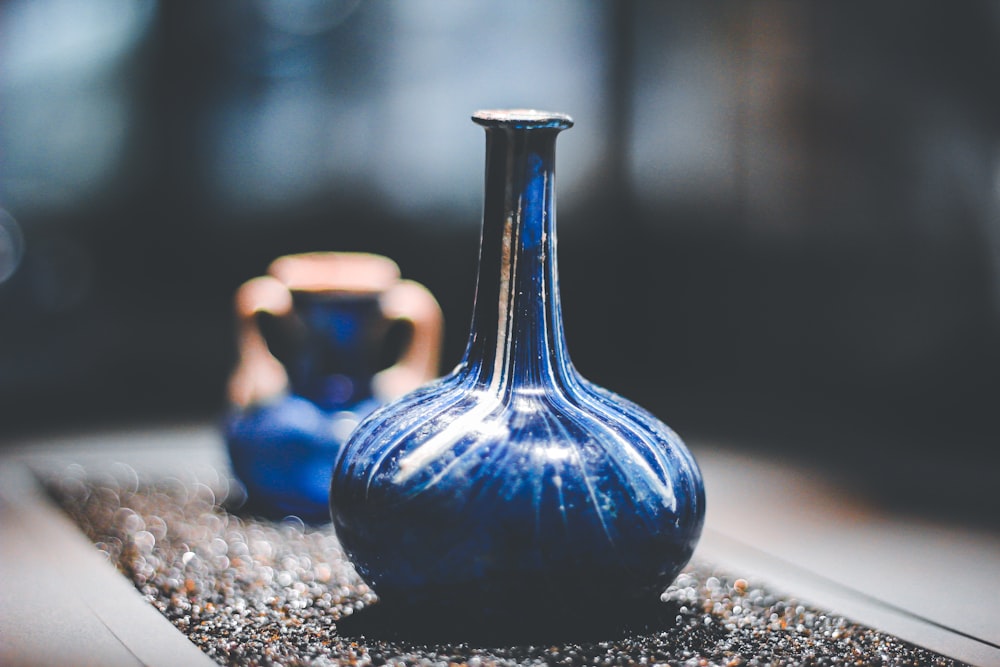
(447,438)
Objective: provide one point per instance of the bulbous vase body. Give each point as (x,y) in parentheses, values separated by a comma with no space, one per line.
(514,488)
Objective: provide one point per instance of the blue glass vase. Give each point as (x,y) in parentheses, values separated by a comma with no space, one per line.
(513,490)
(298,393)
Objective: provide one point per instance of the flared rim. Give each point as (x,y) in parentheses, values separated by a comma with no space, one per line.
(522,118)
(335,272)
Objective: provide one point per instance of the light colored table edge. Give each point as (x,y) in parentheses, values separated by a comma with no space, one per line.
(737,558)
(140,628)
(727,552)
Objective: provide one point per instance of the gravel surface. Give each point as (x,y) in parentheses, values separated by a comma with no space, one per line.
(254,592)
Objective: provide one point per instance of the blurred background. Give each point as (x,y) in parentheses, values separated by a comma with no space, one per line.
(779,222)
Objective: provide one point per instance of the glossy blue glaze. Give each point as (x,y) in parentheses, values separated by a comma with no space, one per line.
(283,450)
(514,476)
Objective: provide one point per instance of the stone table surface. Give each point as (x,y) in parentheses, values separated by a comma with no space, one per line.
(924,581)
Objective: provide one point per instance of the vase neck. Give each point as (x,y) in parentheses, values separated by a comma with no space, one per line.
(517,336)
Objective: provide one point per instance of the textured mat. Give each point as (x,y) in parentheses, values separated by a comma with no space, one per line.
(254,592)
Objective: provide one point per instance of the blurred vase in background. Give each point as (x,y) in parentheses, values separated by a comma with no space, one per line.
(315,336)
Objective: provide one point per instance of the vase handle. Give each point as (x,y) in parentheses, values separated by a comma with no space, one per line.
(259,376)
(411,302)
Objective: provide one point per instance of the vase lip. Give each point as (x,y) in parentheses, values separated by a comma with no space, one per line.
(525,119)
(358,273)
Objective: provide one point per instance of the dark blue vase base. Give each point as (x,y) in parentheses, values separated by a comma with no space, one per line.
(526,614)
